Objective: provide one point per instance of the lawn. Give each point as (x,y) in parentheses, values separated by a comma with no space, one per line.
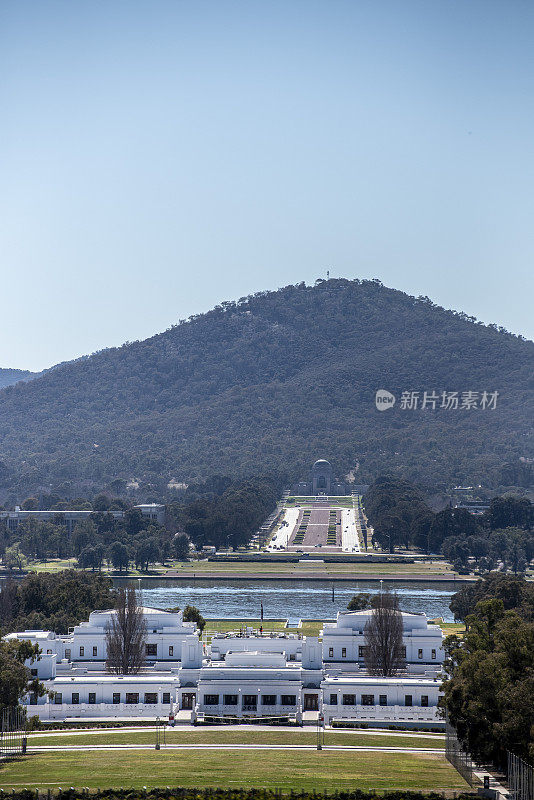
(238,735)
(308,770)
(205,569)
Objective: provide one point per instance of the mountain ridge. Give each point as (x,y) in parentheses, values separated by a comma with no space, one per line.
(269,382)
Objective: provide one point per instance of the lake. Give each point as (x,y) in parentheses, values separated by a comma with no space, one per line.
(288,598)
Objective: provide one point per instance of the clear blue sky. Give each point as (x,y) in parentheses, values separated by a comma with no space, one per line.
(159,157)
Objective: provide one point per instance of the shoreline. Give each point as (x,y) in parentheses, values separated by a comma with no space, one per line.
(306,576)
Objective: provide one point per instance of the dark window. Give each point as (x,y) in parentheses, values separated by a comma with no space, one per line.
(166,697)
(58,698)
(349,699)
(343,652)
(33,699)
(268,699)
(288,700)
(433,653)
(230,699)
(151,698)
(132,698)
(333,699)
(92,698)
(34,673)
(424,700)
(368,699)
(420,653)
(82,651)
(250,702)
(75,700)
(95,651)
(361,651)
(171,650)
(403,652)
(67,653)
(407,700)
(383,699)
(151,649)
(330,652)
(116,698)
(211,699)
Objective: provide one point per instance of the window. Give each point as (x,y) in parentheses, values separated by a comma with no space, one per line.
(33,673)
(95,652)
(92,698)
(58,699)
(151,698)
(33,699)
(268,699)
(151,649)
(75,699)
(383,699)
(211,699)
(330,652)
(368,699)
(171,650)
(361,651)
(333,699)
(407,700)
(67,653)
(343,652)
(132,698)
(116,698)
(433,653)
(292,656)
(420,653)
(48,652)
(424,700)
(230,699)
(166,697)
(349,699)
(250,702)
(82,651)
(403,652)
(288,700)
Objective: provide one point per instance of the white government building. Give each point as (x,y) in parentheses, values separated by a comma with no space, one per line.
(242,675)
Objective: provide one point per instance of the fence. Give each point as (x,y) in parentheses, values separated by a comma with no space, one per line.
(456,754)
(12,733)
(520,778)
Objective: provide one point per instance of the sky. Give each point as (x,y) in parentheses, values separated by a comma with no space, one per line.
(159,157)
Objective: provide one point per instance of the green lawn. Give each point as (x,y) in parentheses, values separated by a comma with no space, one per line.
(239,735)
(203,569)
(325,770)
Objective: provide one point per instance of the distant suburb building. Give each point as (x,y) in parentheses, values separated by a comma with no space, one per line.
(154,512)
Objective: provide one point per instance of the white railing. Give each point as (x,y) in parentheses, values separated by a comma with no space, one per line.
(381,713)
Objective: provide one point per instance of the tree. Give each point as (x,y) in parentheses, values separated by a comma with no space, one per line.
(15,677)
(126,635)
(118,554)
(360,602)
(13,557)
(181,546)
(192,614)
(384,653)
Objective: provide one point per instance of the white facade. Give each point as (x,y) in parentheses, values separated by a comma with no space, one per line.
(242,675)
(344,641)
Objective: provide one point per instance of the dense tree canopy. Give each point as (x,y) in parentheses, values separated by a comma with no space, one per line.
(268,383)
(489,693)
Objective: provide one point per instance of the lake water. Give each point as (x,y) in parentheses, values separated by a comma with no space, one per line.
(294,599)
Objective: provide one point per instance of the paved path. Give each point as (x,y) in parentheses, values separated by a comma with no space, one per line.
(350,542)
(195,746)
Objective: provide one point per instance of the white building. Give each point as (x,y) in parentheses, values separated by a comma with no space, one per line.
(344,641)
(154,512)
(241,675)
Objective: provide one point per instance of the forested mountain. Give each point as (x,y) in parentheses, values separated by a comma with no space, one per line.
(10,376)
(270,383)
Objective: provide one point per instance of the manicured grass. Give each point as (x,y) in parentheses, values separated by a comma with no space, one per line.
(53,565)
(238,735)
(203,569)
(238,768)
(449,628)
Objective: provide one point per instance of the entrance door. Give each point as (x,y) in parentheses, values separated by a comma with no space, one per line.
(311,702)
(188,700)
